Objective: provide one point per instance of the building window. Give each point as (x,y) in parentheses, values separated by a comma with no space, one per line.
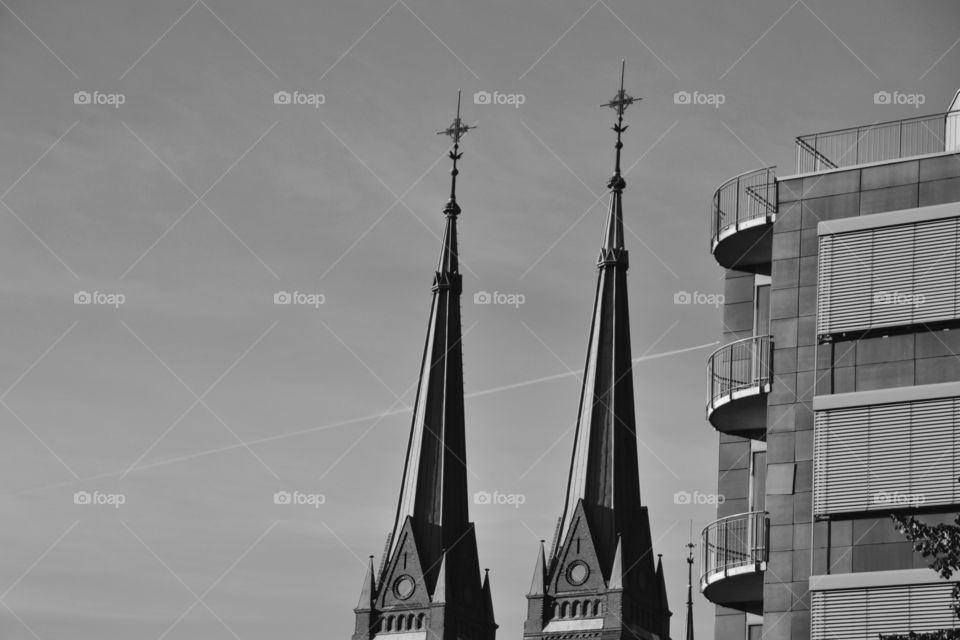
(758,475)
(761,305)
(885,457)
(899,272)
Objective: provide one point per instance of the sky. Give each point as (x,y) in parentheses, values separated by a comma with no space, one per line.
(157,194)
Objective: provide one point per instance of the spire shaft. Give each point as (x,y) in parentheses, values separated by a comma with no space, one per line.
(603,544)
(690,547)
(434,487)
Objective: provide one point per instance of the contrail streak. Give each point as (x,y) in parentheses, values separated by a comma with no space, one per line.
(567,374)
(343,423)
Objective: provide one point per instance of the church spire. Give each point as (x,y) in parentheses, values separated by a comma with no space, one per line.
(603,472)
(603,544)
(431,561)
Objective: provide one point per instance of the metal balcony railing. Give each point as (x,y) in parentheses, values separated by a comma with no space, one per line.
(741,200)
(744,365)
(738,542)
(878,142)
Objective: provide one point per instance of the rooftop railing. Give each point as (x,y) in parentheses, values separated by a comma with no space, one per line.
(879,142)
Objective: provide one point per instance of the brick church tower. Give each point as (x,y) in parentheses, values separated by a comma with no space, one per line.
(598,579)
(429,584)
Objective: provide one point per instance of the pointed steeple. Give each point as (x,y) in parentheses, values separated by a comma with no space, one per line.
(431,564)
(368,591)
(434,487)
(603,544)
(616,572)
(440,592)
(661,582)
(487,596)
(539,580)
(603,472)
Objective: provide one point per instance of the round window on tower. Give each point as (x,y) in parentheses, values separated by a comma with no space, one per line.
(403,587)
(577,573)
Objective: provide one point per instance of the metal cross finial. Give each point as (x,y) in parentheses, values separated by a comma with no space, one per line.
(455,131)
(620,102)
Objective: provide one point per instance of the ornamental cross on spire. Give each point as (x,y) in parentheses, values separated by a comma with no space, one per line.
(620,102)
(455,131)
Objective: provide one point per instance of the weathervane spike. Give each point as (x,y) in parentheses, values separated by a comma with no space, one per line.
(620,102)
(455,131)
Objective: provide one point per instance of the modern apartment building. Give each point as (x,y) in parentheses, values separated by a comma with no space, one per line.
(837,390)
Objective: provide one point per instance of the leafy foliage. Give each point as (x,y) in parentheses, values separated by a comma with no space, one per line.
(938,541)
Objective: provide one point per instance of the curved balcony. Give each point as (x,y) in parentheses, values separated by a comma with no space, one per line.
(741,221)
(739,377)
(734,557)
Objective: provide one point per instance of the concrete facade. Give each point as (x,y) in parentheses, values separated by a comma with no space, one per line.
(799,546)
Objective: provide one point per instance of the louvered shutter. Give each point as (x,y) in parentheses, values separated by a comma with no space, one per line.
(873,458)
(859,614)
(888,276)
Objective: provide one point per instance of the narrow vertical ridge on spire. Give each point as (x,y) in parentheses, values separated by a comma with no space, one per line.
(690,547)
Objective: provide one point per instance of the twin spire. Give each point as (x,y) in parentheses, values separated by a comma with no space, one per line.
(430,582)
(602,549)
(430,579)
